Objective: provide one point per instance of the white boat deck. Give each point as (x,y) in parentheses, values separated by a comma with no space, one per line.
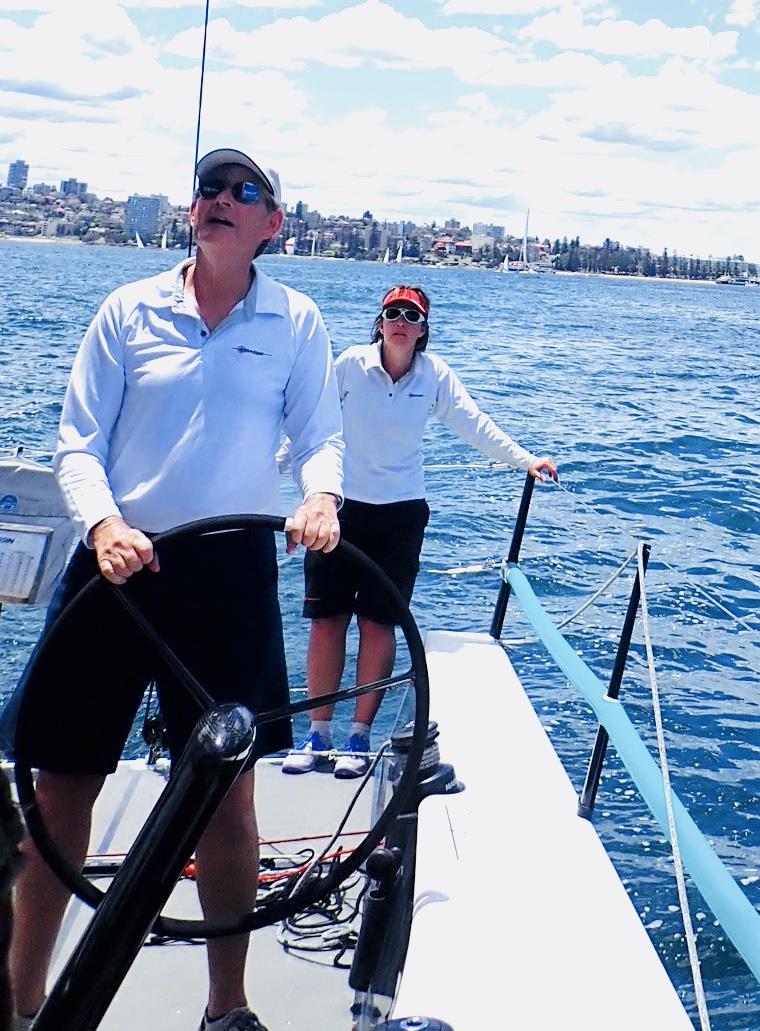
(521,920)
(165,989)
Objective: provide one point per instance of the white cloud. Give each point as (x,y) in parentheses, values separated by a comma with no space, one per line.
(499,7)
(567,30)
(216,4)
(590,147)
(373,34)
(511,7)
(11,35)
(742,12)
(27,5)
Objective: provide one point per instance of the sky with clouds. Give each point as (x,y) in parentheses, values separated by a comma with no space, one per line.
(637,120)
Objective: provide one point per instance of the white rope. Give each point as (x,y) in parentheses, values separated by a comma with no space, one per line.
(691,943)
(448,467)
(513,641)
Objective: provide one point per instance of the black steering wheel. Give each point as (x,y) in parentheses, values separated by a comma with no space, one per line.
(277,909)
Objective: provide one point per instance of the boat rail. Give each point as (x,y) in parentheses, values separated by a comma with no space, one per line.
(729,904)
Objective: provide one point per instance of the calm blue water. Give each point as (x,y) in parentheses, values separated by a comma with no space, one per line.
(647,395)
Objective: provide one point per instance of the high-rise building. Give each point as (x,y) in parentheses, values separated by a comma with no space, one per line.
(486,229)
(141,215)
(73,188)
(18,174)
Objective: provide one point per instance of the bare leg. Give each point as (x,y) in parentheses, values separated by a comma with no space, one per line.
(66,805)
(377,652)
(326,659)
(228,871)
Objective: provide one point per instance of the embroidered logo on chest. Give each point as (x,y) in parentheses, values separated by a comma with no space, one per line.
(242,349)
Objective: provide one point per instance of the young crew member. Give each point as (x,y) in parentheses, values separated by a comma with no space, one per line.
(388,390)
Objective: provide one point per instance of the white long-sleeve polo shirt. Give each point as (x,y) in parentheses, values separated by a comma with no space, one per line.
(165,422)
(384,423)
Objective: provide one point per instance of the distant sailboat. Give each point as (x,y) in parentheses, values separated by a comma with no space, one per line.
(387,256)
(524,267)
(314,245)
(138,239)
(164,241)
(290,245)
(505,263)
(400,253)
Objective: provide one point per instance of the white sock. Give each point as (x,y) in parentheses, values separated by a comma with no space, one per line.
(360,728)
(323,728)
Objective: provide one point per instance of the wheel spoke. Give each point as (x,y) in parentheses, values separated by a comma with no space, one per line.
(265,913)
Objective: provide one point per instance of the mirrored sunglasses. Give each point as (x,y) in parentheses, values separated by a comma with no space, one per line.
(410,314)
(244,193)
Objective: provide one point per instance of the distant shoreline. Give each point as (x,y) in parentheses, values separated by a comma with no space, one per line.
(471,266)
(41,239)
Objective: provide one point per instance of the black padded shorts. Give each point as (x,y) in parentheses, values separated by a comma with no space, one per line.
(392,536)
(214,602)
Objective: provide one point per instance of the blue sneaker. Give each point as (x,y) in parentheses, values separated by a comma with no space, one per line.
(306,755)
(356,762)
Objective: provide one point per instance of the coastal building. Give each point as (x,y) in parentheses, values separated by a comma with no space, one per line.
(481,241)
(487,230)
(18,175)
(141,215)
(73,188)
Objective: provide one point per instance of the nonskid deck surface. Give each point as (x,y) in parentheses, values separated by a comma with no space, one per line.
(166,988)
(544,938)
(520,918)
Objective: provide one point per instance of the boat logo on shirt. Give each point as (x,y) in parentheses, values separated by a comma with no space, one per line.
(242,349)
(411,394)
(8,503)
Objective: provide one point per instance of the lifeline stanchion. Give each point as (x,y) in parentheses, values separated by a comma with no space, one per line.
(594,772)
(500,610)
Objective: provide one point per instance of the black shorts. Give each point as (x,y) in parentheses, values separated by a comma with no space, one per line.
(392,536)
(214,602)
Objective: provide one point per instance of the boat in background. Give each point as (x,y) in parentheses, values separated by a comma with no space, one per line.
(542,265)
(387,256)
(138,239)
(290,246)
(400,253)
(314,244)
(164,245)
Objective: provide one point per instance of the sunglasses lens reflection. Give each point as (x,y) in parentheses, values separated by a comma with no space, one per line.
(410,315)
(244,192)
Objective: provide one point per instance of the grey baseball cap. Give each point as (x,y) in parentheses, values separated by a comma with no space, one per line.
(229,156)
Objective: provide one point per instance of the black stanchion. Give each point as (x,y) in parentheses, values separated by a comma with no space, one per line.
(211,762)
(594,772)
(497,623)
